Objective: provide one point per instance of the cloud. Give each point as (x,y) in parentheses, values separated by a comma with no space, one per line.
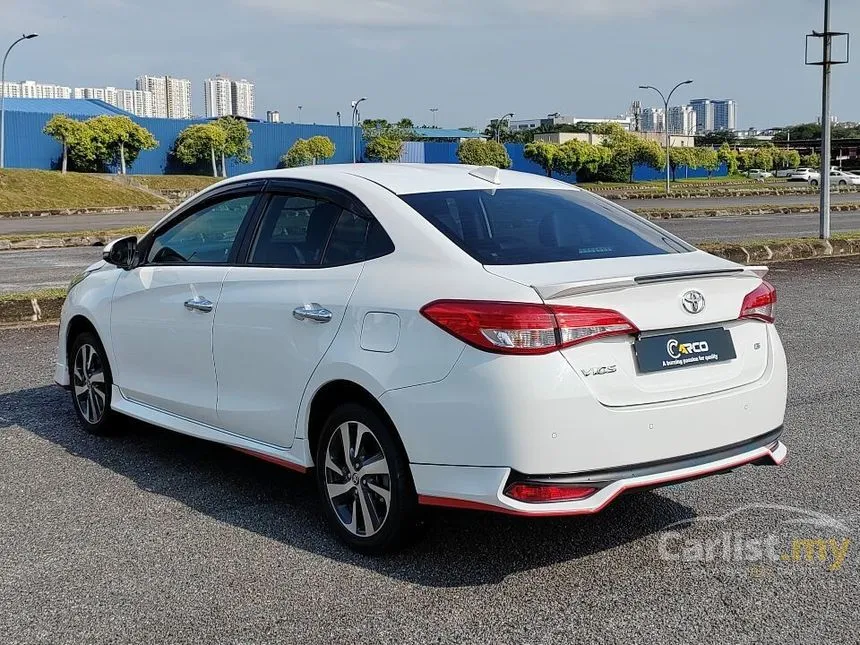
(453,13)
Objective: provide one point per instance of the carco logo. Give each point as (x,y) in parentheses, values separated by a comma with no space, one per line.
(677,350)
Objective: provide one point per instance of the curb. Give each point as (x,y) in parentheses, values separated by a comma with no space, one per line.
(713,193)
(53,242)
(107,210)
(789,209)
(31,310)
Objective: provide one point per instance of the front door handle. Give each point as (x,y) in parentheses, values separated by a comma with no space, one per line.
(199,303)
(313,311)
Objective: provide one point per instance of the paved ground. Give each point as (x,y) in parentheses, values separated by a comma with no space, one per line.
(153,537)
(43,268)
(65,223)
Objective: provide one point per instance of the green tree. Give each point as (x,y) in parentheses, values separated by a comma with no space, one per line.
(383,148)
(320,148)
(709,159)
(543,154)
(73,135)
(763,158)
(299,154)
(478,152)
(729,157)
(574,155)
(119,140)
(812,160)
(682,156)
(627,150)
(198,142)
(238,144)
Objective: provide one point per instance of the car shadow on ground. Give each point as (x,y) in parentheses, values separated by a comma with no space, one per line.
(456,548)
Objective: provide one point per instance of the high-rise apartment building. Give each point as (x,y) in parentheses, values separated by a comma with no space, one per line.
(653,120)
(704,110)
(273,116)
(34,90)
(217,96)
(171,97)
(725,114)
(138,102)
(682,120)
(715,114)
(242,95)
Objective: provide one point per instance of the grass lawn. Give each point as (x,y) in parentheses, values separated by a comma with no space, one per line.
(22,190)
(110,234)
(29,295)
(174,182)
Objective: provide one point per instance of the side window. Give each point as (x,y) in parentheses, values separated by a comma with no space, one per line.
(204,237)
(354,239)
(294,231)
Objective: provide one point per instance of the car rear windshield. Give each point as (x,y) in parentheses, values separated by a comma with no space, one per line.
(530,226)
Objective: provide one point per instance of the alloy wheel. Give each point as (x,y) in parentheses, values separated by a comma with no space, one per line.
(357,478)
(88,381)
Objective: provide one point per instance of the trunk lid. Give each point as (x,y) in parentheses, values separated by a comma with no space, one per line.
(648,291)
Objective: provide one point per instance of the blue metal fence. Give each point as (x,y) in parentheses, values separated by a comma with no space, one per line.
(28,147)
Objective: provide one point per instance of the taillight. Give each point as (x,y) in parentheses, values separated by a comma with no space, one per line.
(518,328)
(526,492)
(760,304)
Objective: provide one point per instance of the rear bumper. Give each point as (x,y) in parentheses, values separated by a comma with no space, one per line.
(484,488)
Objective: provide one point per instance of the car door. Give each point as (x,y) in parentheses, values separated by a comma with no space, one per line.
(163,309)
(281,310)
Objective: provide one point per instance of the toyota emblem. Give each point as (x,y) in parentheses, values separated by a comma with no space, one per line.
(693,302)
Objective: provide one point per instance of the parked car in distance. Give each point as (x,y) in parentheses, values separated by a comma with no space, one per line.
(837,178)
(758,173)
(802,174)
(784,173)
(441,335)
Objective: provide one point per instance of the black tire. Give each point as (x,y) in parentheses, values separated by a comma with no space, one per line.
(842,182)
(343,510)
(85,386)
(813,183)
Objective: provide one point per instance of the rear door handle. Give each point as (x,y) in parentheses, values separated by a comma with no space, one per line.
(199,303)
(313,311)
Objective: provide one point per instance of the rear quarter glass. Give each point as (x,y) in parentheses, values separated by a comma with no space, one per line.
(531,226)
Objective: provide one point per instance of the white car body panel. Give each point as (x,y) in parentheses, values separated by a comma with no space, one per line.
(246,374)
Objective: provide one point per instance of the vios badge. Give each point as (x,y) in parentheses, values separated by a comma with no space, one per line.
(693,302)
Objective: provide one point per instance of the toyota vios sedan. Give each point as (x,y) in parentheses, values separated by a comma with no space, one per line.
(431,335)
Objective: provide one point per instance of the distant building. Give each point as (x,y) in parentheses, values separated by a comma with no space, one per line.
(171,97)
(273,116)
(715,114)
(557,119)
(34,90)
(217,96)
(682,120)
(653,120)
(138,102)
(704,110)
(242,93)
(725,114)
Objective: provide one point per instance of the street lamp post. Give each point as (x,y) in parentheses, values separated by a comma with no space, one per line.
(434,111)
(2,97)
(354,112)
(666,100)
(499,125)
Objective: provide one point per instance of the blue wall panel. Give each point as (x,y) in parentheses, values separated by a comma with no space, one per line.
(647,173)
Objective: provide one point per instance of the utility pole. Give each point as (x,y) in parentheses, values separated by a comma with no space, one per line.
(826,62)
(338,117)
(434,111)
(499,123)
(354,116)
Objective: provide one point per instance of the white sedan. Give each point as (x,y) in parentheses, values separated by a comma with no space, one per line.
(758,173)
(837,178)
(431,335)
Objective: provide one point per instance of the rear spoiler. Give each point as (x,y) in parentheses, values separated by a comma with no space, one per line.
(563,290)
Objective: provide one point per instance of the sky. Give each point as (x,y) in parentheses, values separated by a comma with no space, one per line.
(474,60)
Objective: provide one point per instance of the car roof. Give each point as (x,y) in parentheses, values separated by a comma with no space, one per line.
(405,178)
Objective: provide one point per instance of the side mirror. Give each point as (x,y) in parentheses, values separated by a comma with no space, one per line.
(121,252)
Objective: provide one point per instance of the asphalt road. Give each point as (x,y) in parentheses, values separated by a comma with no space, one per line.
(106,221)
(25,270)
(154,537)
